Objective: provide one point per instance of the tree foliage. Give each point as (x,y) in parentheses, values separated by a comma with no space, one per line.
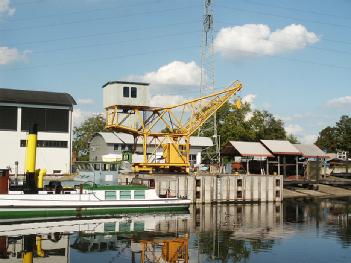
(246,124)
(84,133)
(336,138)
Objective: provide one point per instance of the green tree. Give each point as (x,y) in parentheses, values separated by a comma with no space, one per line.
(267,127)
(327,139)
(84,133)
(292,138)
(336,138)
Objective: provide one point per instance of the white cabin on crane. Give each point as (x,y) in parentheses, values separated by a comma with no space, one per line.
(123,93)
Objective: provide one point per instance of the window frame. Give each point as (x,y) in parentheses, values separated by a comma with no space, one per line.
(15,117)
(110,195)
(126,92)
(133,92)
(139,196)
(123,197)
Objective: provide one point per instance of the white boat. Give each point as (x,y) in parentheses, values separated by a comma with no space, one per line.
(88,199)
(33,199)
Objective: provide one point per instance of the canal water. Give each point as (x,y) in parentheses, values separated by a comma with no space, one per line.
(294,231)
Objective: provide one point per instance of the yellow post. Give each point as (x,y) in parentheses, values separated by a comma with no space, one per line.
(31,184)
(27,257)
(31,150)
(40,183)
(40,251)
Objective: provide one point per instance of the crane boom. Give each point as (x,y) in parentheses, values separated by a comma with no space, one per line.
(167,128)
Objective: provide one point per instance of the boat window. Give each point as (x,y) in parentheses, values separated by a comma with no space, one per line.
(124,227)
(110,195)
(96,166)
(113,167)
(139,194)
(139,226)
(109,227)
(105,167)
(125,195)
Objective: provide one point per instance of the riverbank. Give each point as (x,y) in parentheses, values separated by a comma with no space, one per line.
(322,192)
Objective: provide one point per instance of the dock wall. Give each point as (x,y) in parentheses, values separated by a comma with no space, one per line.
(203,189)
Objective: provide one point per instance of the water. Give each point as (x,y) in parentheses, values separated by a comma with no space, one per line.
(309,231)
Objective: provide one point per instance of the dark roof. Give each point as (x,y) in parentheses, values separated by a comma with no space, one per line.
(125,82)
(36,97)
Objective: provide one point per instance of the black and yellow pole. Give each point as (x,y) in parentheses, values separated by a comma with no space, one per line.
(28,248)
(31,152)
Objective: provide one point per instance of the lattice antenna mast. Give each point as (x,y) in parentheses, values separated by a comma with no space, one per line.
(208,70)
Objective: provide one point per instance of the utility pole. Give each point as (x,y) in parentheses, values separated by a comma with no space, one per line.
(208,70)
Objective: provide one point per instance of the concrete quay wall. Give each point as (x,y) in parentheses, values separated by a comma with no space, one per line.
(203,189)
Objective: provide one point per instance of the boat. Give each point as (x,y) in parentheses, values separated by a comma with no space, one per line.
(33,199)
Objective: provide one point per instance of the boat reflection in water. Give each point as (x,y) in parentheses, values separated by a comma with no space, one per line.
(218,233)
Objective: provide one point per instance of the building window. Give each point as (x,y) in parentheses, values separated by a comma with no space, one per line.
(110,195)
(8,118)
(126,92)
(139,194)
(192,159)
(47,120)
(47,144)
(133,92)
(125,195)
(115,147)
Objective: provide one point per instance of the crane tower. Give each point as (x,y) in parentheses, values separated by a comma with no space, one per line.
(208,73)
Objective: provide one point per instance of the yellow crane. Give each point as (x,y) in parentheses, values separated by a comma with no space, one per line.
(167,129)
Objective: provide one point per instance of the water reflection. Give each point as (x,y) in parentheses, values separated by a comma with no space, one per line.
(224,233)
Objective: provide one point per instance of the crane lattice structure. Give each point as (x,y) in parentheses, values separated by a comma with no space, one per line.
(166,129)
(208,74)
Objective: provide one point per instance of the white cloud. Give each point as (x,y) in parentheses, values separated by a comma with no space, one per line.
(308,138)
(294,129)
(5,8)
(79,116)
(249,98)
(340,102)
(166,100)
(85,101)
(174,73)
(258,40)
(9,55)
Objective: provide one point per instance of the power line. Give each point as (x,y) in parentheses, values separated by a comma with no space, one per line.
(296,9)
(82,12)
(101,58)
(309,47)
(284,16)
(102,34)
(96,19)
(113,43)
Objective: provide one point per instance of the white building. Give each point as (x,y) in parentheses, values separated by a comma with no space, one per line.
(52,112)
(112,143)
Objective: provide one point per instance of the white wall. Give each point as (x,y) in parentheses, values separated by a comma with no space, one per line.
(48,158)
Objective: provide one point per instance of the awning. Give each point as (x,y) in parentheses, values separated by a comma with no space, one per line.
(311,151)
(278,147)
(241,148)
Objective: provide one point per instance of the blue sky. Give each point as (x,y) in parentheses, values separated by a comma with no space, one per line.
(293,57)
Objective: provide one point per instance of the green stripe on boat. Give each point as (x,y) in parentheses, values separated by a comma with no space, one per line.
(115,187)
(87,212)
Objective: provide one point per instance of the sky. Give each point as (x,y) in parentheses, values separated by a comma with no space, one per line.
(293,57)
